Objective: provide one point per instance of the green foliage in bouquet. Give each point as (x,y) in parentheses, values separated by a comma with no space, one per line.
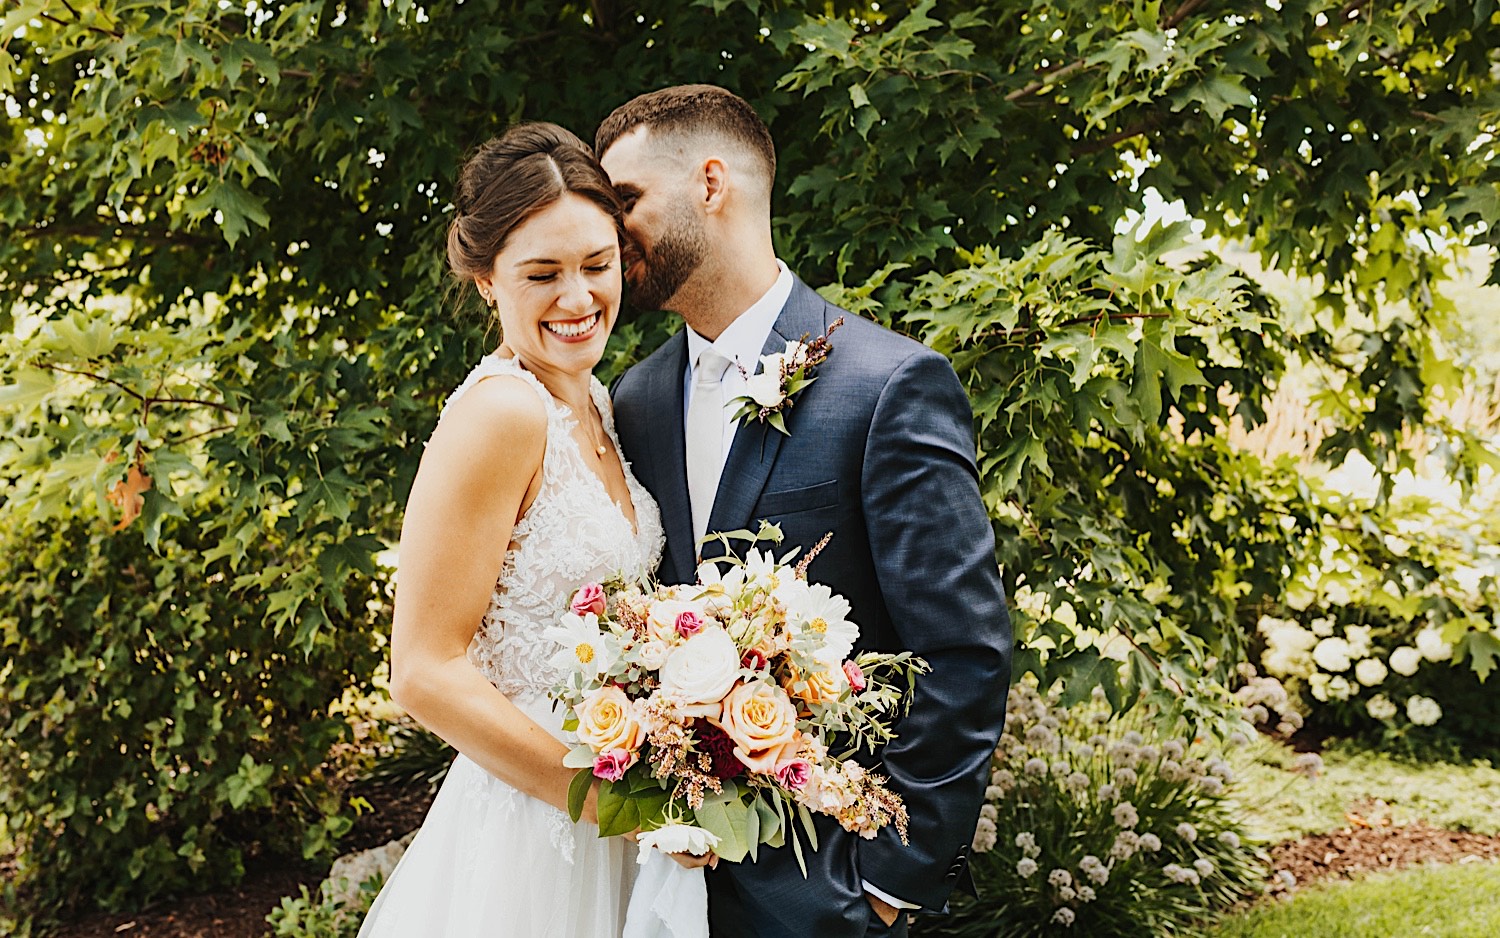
(156,731)
(1101,826)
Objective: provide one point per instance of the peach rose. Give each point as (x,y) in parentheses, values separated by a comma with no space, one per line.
(760,719)
(607,720)
(822,686)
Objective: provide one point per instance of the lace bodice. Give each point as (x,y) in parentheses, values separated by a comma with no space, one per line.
(572,533)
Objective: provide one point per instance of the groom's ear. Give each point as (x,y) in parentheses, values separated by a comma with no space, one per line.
(715,185)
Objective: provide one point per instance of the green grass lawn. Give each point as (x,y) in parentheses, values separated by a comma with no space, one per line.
(1458,901)
(1279,805)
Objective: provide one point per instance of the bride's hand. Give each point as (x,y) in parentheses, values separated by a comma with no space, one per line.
(689,862)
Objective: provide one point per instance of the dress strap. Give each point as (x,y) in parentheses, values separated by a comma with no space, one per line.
(493,365)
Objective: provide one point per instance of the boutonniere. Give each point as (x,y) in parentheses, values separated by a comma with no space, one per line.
(769,393)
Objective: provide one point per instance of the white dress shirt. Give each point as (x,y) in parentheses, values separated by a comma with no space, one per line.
(741,343)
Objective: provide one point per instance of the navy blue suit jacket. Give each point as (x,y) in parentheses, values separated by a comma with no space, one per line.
(880,454)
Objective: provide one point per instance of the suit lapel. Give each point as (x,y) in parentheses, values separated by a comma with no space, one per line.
(756,445)
(668,454)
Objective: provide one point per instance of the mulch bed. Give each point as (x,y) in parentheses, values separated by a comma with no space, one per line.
(1365,849)
(240,912)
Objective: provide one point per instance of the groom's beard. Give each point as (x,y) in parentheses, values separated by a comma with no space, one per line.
(670,262)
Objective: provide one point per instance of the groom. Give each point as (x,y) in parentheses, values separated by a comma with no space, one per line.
(880,453)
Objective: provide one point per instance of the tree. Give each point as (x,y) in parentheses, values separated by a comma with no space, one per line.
(221,234)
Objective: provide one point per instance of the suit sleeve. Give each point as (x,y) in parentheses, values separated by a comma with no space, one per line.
(934,553)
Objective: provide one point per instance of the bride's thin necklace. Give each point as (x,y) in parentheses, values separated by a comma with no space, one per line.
(596,440)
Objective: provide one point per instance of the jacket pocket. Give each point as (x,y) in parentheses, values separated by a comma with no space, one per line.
(822,495)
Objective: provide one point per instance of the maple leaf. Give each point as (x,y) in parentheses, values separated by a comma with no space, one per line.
(127,495)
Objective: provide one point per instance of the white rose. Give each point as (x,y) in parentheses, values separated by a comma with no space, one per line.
(1332,654)
(652,654)
(1405,660)
(702,669)
(1433,646)
(765,388)
(1370,672)
(676,838)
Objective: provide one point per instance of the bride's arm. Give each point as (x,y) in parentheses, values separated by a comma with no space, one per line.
(481,467)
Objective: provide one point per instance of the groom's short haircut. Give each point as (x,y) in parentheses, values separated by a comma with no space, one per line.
(693,110)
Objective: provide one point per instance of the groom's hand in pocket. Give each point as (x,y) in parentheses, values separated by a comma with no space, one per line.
(883,909)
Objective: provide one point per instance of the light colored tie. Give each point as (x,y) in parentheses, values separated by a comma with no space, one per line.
(705,438)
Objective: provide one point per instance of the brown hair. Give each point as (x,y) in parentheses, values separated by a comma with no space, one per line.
(692,109)
(511,178)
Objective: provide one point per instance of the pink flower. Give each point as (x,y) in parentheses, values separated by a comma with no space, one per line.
(612,765)
(794,773)
(589,599)
(855,675)
(754,659)
(689,623)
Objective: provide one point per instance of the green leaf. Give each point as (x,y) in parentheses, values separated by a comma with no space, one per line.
(578,793)
(30,387)
(618,811)
(1482,649)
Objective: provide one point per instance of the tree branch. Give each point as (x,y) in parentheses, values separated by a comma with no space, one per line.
(1134,130)
(1183,11)
(146,401)
(1048,78)
(98,29)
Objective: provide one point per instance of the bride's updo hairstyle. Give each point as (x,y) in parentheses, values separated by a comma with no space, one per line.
(511,178)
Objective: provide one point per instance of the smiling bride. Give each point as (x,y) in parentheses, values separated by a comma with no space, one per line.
(522,495)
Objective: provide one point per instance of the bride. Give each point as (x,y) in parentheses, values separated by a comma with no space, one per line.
(521,497)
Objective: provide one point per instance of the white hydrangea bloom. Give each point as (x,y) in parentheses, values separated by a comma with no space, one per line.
(1332,654)
(1432,645)
(1370,672)
(1423,711)
(1381,707)
(1405,660)
(984,836)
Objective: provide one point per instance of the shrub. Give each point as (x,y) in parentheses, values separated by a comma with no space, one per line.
(339,906)
(1100,826)
(156,732)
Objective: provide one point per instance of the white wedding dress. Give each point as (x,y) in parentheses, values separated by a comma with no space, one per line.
(490,861)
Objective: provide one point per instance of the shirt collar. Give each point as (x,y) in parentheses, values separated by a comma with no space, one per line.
(743,339)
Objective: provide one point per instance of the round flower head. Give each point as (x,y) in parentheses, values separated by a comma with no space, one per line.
(1423,711)
(1026,867)
(1405,660)
(1432,646)
(1060,878)
(1035,767)
(1381,707)
(1125,815)
(1064,916)
(1230,839)
(1150,842)
(1204,866)
(1370,672)
(1332,654)
(1187,831)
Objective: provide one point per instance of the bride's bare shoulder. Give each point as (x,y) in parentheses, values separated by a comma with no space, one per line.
(500,417)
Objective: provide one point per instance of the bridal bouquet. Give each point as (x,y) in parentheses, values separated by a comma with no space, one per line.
(710,713)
